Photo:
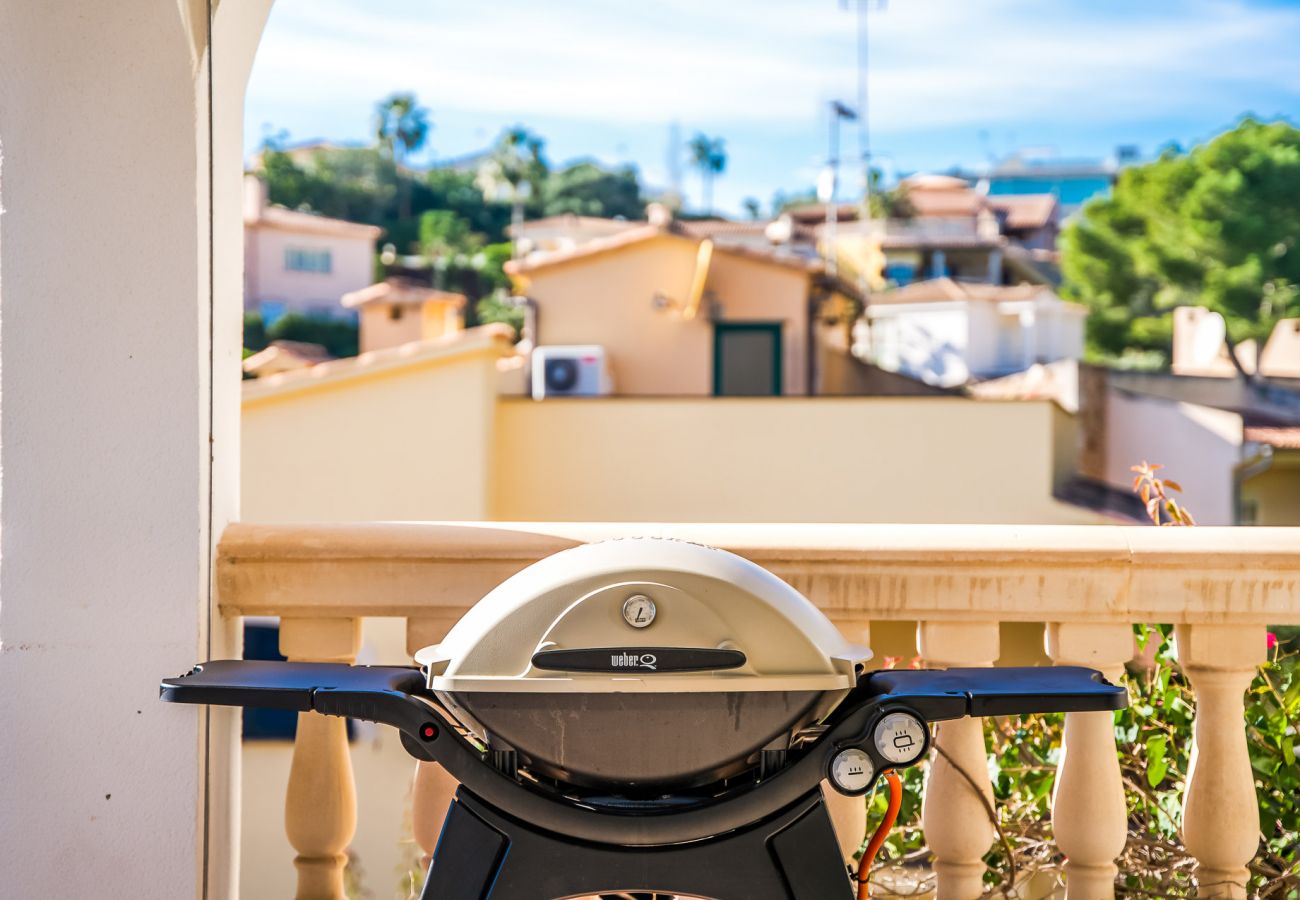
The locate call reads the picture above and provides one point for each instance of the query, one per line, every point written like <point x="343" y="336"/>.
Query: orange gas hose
<point x="882" y="832"/>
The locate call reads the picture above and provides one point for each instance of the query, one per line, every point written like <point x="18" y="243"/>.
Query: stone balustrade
<point x="1087" y="586"/>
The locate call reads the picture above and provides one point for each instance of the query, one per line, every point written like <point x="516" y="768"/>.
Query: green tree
<point x="518" y="166"/>
<point x="443" y="233"/>
<point x="709" y="156"/>
<point x="338" y="336"/>
<point x="401" y="128"/>
<point x="354" y="183"/>
<point x="1214" y="227"/>
<point x="361" y="184"/>
<point x="889" y="203"/>
<point x="587" y="189"/>
<point x="753" y="208"/>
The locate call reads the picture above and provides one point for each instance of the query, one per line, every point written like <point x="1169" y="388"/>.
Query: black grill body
<point x="760" y="832"/>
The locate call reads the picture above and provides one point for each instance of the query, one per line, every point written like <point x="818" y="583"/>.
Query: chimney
<point x="254" y="197"/>
<point x="659" y="215"/>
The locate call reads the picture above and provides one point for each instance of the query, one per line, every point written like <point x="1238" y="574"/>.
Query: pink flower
<point x="1272" y="640"/>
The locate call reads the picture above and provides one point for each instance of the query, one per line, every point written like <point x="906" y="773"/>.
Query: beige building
<point x="680" y="315"/>
<point x="420" y="431"/>
<point x="299" y="262"/>
<point x="397" y="311"/>
<point x="951" y="231"/>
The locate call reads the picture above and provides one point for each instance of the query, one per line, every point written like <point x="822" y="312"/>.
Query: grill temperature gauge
<point x="638" y="611"/>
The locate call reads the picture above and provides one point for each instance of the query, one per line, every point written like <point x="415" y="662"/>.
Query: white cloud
<point x="935" y="62"/>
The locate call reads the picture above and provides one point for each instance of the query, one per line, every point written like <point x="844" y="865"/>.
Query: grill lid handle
<point x="639" y="659"/>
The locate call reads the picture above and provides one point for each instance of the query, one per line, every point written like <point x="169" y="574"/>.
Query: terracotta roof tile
<point x="400" y="290"/>
<point x="1282" y="437"/>
<point x="278" y="217"/>
<point x="642" y="233"/>
<point x="947" y="290"/>
<point x="1025" y="211"/>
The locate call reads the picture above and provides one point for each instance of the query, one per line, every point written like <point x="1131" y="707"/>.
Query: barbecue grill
<point x="646" y="715"/>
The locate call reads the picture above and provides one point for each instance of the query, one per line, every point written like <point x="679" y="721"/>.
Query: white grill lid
<point x="717" y="623"/>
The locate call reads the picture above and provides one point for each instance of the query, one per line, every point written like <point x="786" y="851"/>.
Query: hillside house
<point x="300" y="262"/>
<point x="398" y="310"/>
<point x="948" y="332"/>
<point x="678" y="314"/>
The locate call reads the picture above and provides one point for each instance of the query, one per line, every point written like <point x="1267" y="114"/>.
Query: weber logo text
<point x="625" y="660"/>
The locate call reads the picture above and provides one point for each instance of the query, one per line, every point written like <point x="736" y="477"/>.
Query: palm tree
<point x="518" y="164"/>
<point x="401" y="128"/>
<point x="753" y="208"/>
<point x="709" y="155"/>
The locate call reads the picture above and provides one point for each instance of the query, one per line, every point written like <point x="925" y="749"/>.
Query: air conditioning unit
<point x="575" y="371"/>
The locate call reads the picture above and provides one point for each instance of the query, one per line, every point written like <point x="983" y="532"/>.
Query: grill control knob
<point x="852" y="771"/>
<point x="900" y="738"/>
<point x="638" y="610"/>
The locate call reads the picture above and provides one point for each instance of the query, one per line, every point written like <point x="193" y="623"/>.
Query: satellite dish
<point x="1207" y="338"/>
<point x="826" y="185"/>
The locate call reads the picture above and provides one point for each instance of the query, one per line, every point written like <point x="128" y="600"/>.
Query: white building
<point x="948" y="332"/>
<point x="300" y="262"/>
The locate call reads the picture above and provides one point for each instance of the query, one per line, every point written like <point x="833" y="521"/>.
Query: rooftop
<point x="403" y="291"/>
<point x="646" y="232"/>
<point x="281" y="356"/>
<point x="948" y="290"/>
<point x="1280" y="437"/>
<point x="1025" y="211"/>
<point x="283" y="219"/>
<point x="495" y="337"/>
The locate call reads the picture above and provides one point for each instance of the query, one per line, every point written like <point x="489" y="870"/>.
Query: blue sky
<point x="951" y="82"/>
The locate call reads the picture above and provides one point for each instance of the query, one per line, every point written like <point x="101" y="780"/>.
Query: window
<point x="302" y="259"/>
<point x="262" y="641"/>
<point x="900" y="273"/>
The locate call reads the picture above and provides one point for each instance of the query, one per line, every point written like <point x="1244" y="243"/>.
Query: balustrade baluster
<point x="1220" y="809"/>
<point x="1089" y="816"/>
<point x="320" y="809"/>
<point x="954" y="815"/>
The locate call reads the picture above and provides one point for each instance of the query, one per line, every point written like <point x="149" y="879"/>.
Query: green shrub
<point x="339" y="337"/>
<point x="1154" y="739"/>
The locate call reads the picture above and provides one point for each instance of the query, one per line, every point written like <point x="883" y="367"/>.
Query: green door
<point x="747" y="359"/>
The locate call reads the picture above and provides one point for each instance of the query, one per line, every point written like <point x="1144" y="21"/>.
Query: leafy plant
<point x="339" y="337"/>
<point x="1161" y="508"/>
<point x="1153" y="739"/>
<point x="1213" y="227"/>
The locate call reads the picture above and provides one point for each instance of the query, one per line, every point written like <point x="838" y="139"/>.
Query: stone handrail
<point x="1089" y="585"/>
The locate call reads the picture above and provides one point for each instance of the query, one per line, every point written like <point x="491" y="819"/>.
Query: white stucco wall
<point x="315" y="293"/>
<point x="118" y="446"/>
<point x="948" y="343"/>
<point x="928" y="341"/>
<point x="104" y="491"/>
<point x="1197" y="445"/>
<point x="990" y="335"/>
